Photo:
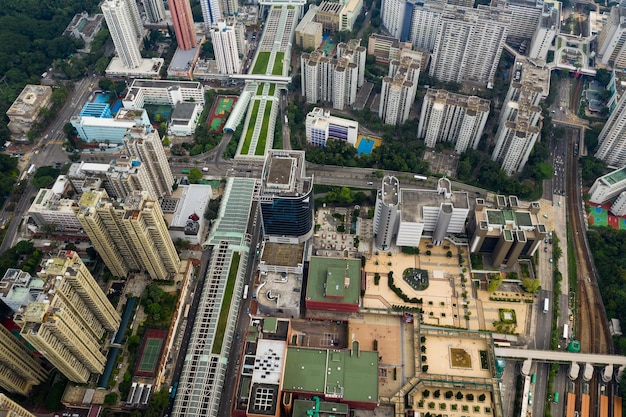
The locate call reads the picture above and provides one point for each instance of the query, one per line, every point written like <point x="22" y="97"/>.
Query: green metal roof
<point x="327" y="277"/>
<point x="350" y="375"/>
<point x="616" y="176"/>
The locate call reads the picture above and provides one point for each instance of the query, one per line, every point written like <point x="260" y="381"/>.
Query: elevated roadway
<point x="560" y="357"/>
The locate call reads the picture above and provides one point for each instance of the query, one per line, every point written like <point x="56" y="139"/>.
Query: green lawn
<point x="248" y="138"/>
<point x="228" y="295"/>
<point x="260" y="66"/>
<point x="259" y="89"/>
<point x="272" y="89"/>
<point x="260" y="145"/>
<point x="278" y="63"/>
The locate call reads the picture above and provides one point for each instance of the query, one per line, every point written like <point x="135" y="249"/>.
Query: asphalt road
<point x="47" y="150"/>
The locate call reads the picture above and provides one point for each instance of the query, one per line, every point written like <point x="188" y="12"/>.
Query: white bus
<point x="565" y="331"/>
<point x="186" y="311"/>
<point x="546" y="305"/>
<point x="420" y="177"/>
<point x="245" y="292"/>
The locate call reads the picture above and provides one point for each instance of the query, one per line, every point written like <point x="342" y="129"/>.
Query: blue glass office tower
<point x="285" y="198"/>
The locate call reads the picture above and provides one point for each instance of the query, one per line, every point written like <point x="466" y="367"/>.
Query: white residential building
<point x="351" y="10"/>
<point x="469" y="44"/>
<point x="142" y="92"/>
<point x="612" y="38"/>
<point x="546" y="32"/>
<point x="424" y="21"/>
<point x="608" y="186"/>
<point x="321" y="127"/>
<point x="519" y="118"/>
<point x="404" y="216"/>
<point x="392" y="14"/>
<point x="386" y="213"/>
<point x="211" y="12"/>
<point x="155" y="10"/>
<point x="122" y="17"/>
<point x="398" y="90"/>
<point x="618" y="208"/>
<point x="450" y="117"/>
<point x="146" y="146"/>
<point x="612" y="146"/>
<point x="331" y="80"/>
<point x="225" y="47"/>
<point x="51" y="208"/>
<point x="525" y="17"/>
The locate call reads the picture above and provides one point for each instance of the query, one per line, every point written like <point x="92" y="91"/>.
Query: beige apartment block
<point x="67" y="321"/>
<point x="25" y="109"/>
<point x="19" y="369"/>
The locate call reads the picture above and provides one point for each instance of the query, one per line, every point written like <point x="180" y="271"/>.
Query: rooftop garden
<point x="278" y="63"/>
<point x="225" y="310"/>
<point x="260" y="146"/>
<point x="262" y="60"/>
<point x="248" y="138"/>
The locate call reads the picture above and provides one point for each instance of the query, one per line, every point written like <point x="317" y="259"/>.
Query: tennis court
<point x="150" y="353"/>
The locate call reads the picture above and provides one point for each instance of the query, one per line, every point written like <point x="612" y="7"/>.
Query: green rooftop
<point x="331" y="277"/>
<point x="616" y="176"/>
<point x="349" y="375"/>
<point x="502" y="217"/>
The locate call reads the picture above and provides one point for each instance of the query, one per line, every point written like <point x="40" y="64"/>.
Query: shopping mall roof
<point x="348" y="375"/>
<point x="334" y="280"/>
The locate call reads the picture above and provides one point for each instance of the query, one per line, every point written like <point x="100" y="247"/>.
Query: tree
<point x="437" y="394"/>
<point x="531" y="285"/>
<point x="194" y="176"/>
<point x="494" y="283"/>
<point x="425" y="393"/>
<point x="459" y="395"/>
<point x="42" y="182"/>
<point x="110" y="398"/>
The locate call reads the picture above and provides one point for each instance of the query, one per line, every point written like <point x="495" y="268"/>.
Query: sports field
<point x="222" y="106"/>
<point x="365" y="145"/>
<point x="150" y="353"/>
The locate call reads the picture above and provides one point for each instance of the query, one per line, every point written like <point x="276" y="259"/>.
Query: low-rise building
<point x="321" y="127"/>
<point x="184" y="212"/>
<point x="142" y="92"/>
<point x="309" y="32"/>
<point x="184" y="119"/>
<point x="348" y="376"/>
<point x="25" y="109"/>
<point x="84" y="27"/>
<point x="50" y="208"/>
<point x="281" y="277"/>
<point x="109" y="130"/>
<point x="328" y="14"/>
<point x="148" y="67"/>
<point x="334" y="285"/>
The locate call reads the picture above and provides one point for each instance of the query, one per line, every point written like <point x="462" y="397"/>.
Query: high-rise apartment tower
<point x="184" y="28"/>
<point x="224" y="40"/>
<point x="124" y="23"/>
<point x="19" y="369"/>
<point x="67" y="321"/>
<point x="146" y="146"/>
<point x="129" y="236"/>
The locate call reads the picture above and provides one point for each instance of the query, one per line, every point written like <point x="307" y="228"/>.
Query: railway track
<point x="592" y="328"/>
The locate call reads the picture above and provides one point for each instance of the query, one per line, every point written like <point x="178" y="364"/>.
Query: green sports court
<point x="222" y="106"/>
<point x="151" y="351"/>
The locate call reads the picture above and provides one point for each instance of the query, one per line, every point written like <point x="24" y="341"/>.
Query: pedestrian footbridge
<point x="560" y="357"/>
